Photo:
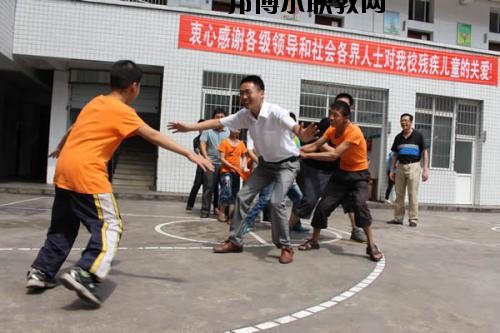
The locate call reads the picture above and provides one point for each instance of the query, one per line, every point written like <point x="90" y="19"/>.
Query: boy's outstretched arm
<point x="181" y="127"/>
<point x="60" y="145"/>
<point x="161" y="140"/>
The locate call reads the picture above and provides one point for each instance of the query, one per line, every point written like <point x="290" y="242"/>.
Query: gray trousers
<point x="282" y="175"/>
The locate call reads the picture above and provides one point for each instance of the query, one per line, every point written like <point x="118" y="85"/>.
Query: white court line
<point x="21" y="201"/>
<point x="159" y="229"/>
<point x="258" y="238"/>
<point x="312" y="310"/>
<point x="140" y="248"/>
<point x="496" y="228"/>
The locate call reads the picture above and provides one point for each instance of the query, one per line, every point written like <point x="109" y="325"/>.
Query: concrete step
<point x="144" y="158"/>
<point x="124" y="176"/>
<point x="133" y="183"/>
<point x="146" y="168"/>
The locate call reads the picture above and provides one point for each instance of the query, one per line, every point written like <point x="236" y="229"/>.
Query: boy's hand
<point x="178" y="127"/>
<point x="303" y="154"/>
<point x="203" y="163"/>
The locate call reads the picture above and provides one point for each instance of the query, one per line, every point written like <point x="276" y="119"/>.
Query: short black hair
<point x="323" y="125"/>
<point x="343" y="107"/>
<point x="292" y="115"/>
<point x="255" y="80"/>
<point x="345" y="95"/>
<point x="406" y="115"/>
<point x="218" y="110"/>
<point x="124" y="73"/>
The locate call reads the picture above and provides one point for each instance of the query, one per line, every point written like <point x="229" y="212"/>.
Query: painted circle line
<point x="300" y="314"/>
<point x="159" y="229"/>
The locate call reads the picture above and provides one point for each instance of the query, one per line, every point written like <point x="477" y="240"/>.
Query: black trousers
<point x="351" y="187"/>
<point x="99" y="214"/>
<point x="198" y="181"/>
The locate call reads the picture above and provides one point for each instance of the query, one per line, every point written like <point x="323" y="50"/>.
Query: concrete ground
<point x="439" y="277"/>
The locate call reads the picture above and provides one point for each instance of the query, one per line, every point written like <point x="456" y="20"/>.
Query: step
<point x="138" y="157"/>
<point x="136" y="166"/>
<point x="133" y="182"/>
<point x="146" y="177"/>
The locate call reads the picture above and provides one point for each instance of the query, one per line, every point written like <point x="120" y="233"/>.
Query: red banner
<point x="289" y="45"/>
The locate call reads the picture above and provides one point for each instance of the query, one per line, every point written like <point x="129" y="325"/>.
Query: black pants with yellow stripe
<point x="99" y="214"/>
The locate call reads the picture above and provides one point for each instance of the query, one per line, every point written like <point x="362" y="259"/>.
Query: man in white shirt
<point x="273" y="131"/>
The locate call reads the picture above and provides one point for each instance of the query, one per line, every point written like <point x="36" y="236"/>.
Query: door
<point x="466" y="139"/>
<point x="463" y="166"/>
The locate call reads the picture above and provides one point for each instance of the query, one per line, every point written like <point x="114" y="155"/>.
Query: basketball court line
<point x="309" y="311"/>
<point x="296" y="315"/>
<point x="21" y="201"/>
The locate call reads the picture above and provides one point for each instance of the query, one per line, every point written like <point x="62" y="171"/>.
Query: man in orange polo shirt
<point x="349" y="182"/>
<point x="83" y="191"/>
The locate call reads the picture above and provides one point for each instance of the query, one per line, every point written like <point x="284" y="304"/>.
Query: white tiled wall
<point x="96" y="32"/>
<point x="7" y="13"/>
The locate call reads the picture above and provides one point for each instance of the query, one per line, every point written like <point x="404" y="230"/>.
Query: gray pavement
<point x="439" y="277"/>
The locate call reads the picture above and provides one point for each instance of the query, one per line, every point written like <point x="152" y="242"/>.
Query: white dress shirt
<point x="271" y="131"/>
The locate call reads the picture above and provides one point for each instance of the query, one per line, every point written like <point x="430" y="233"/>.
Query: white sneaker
<point x="387" y="201"/>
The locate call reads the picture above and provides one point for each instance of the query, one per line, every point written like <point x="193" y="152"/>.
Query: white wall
<point x="74" y="30"/>
<point x="58" y="117"/>
<point x="7" y="14"/>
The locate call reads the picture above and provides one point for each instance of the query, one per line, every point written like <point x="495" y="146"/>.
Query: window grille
<point x="220" y="90"/>
<point x="420" y="10"/>
<point x="441" y="120"/>
<point x="494" y="22"/>
<point x="369" y="104"/>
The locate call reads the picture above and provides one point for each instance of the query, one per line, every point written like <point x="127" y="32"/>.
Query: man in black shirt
<point x="408" y="148"/>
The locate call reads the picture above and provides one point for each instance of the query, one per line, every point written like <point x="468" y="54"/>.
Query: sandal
<point x="309" y="245"/>
<point x="222" y="218"/>
<point x="374" y="253"/>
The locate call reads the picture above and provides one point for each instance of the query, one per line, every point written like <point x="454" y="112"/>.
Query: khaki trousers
<point x="407" y="177"/>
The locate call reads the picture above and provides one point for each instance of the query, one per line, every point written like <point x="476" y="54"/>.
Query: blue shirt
<point x="213" y="138"/>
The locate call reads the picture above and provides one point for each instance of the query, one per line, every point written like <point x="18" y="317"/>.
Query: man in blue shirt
<point x="209" y="145"/>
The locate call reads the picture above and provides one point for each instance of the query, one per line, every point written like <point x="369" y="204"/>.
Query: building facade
<point x="194" y="53"/>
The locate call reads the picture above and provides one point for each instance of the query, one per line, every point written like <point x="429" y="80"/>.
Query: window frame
<point x="453" y="130"/>
<point x="428" y="11"/>
<point x="495" y="11"/>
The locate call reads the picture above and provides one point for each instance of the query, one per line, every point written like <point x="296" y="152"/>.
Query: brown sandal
<point x="374" y="253"/>
<point x="309" y="245"/>
<point x="223" y="219"/>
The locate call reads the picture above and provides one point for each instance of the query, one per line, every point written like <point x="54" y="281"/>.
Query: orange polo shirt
<point x="354" y="158"/>
<point x="97" y="132"/>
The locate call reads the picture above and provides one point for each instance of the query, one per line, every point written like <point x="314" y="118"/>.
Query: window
<point x="225" y="6"/>
<point x="369" y="104"/>
<point x="494" y="22"/>
<point x="419" y="35"/>
<point x="220" y="90"/>
<point x="329" y="20"/>
<point x="420" y="10"/>
<point x="494" y="46"/>
<point x="443" y="120"/>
